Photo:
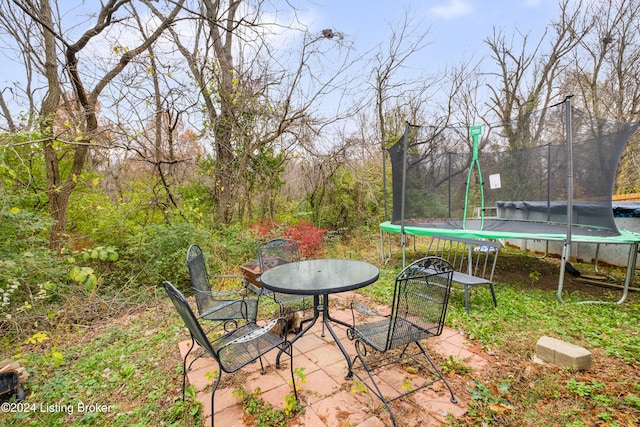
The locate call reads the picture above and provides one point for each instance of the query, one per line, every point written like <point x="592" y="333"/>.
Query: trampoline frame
<point x="625" y="238"/>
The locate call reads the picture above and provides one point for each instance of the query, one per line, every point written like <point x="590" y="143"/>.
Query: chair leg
<point x="213" y="393"/>
<point x="184" y="367"/>
<point x="466" y="298"/>
<point x="375" y="390"/>
<point x="288" y="348"/>
<point x="361" y="352"/>
<point x="493" y="294"/>
<point x="437" y="371"/>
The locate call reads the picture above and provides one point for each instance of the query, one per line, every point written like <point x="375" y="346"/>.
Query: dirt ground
<point x="543" y="271"/>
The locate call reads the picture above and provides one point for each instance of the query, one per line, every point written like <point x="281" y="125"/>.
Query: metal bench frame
<point x="474" y="261"/>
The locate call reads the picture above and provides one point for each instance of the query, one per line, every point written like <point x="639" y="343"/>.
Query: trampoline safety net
<point x="523" y="167"/>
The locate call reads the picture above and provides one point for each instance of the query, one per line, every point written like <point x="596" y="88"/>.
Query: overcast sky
<point x="457" y="27"/>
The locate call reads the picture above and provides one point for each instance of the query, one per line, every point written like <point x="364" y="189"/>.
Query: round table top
<point x="319" y="276"/>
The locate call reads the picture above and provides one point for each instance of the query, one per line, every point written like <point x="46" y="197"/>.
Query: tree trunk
<point x="224" y="189"/>
<point x="58" y="196"/>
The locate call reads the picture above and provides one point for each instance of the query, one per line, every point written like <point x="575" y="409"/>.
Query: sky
<point x="457" y="27"/>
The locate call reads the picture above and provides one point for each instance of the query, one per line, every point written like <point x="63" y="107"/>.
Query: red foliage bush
<point x="309" y="237"/>
<point x="264" y="229"/>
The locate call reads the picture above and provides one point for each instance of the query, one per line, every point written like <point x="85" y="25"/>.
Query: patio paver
<point x="328" y="398"/>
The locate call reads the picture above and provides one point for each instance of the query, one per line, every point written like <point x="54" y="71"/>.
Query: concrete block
<point x="558" y="352"/>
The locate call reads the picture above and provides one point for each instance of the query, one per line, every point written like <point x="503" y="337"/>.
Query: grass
<point x="129" y="368"/>
<point x="599" y="394"/>
<point x="122" y="373"/>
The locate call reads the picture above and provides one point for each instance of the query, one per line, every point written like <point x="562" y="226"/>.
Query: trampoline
<point x="547" y="175"/>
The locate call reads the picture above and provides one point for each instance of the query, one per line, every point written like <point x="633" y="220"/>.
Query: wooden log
<point x="23" y="374"/>
<point x="9" y="365"/>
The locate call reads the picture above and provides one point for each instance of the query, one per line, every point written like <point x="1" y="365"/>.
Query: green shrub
<point x="30" y="274"/>
<point x="159" y="252"/>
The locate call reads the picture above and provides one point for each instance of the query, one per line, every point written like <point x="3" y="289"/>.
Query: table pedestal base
<point x="323" y="308"/>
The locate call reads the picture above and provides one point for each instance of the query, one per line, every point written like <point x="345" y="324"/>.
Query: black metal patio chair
<point x="235" y="349"/>
<point x="223" y="308"/>
<point x="217" y="305"/>
<point x="418" y="310"/>
<point x="275" y="252"/>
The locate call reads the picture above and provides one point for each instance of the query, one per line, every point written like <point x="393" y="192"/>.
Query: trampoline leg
<point x="565" y="254"/>
<point x="631" y="268"/>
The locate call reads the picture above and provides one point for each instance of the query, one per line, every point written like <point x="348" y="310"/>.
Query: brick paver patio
<point x="328" y="397"/>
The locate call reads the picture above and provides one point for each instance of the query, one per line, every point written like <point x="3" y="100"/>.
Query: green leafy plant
<point x="358" y="387"/>
<point x="85" y="275"/>
<point x="632" y="400"/>
<point x="494" y="397"/>
<point x="102" y="253"/>
<point x="535" y="275"/>
<point x="584" y="389"/>
<point x="264" y="413"/>
<point x="454" y="364"/>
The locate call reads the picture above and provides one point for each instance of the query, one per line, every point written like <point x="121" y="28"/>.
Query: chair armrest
<point x="244" y="310"/>
<point x="363" y="309"/>
<point x="215" y="294"/>
<point x="239" y="277"/>
<point x="228" y="276"/>
<point x="214" y="302"/>
<point x="256" y="333"/>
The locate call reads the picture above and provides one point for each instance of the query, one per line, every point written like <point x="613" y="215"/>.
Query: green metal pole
<point x="475" y="132"/>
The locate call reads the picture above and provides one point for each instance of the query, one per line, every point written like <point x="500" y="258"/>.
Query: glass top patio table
<point x="320" y="276"/>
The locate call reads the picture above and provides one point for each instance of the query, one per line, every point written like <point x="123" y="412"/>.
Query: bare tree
<point x="604" y="72"/>
<point x="258" y="103"/>
<point x="604" y="67"/>
<point x="23" y="31"/>
<point x="527" y="79"/>
<point x="62" y="66"/>
<point x="391" y="89"/>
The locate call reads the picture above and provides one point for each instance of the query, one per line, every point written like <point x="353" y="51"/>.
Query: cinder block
<point x="558" y="352"/>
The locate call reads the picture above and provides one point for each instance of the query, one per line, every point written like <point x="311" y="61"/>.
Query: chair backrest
<point x="181" y="304"/>
<point x="278" y="251"/>
<point x="421" y="297"/>
<point x="197" y="269"/>
<point x="199" y="277"/>
<point x="474" y="257"/>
